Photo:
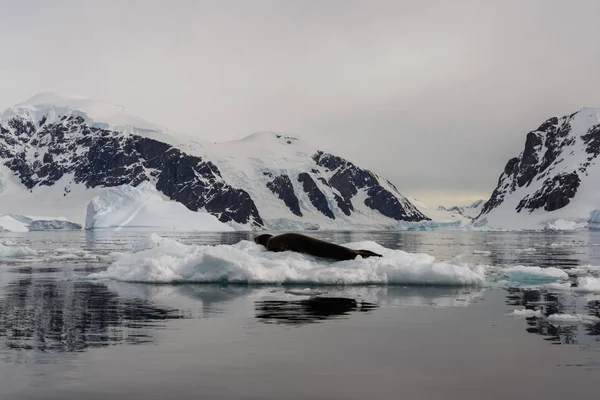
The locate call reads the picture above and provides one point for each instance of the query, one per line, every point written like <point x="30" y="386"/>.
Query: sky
<point x="434" y="95"/>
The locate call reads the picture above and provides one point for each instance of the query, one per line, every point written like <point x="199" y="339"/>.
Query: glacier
<point x="144" y="207"/>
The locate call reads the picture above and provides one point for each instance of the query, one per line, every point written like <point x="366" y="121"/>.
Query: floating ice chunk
<point x="305" y="292"/>
<point x="557" y="286"/>
<point x="568" y="319"/>
<point x="527" y="250"/>
<point x="165" y="260"/>
<point x="588" y="284"/>
<point x="9" y="243"/>
<point x="563" y="244"/>
<point x="482" y="252"/>
<point x="526" y="313"/>
<point x="16" y="252"/>
<point x="523" y="274"/>
<point x="564" y="225"/>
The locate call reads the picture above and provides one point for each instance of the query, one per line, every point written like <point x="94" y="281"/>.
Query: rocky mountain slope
<point x="57" y="153"/>
<point x="555" y="177"/>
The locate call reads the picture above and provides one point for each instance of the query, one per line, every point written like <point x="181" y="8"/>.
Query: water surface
<point x="67" y="338"/>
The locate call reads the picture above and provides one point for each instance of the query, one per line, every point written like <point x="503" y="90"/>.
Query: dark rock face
<point x="282" y="186"/>
<point x="71" y="150"/>
<point x="556" y="193"/>
<point x="317" y="198"/>
<point x="545" y="150"/>
<point x="348" y="179"/>
<point x="592" y="140"/>
<point x="102" y="158"/>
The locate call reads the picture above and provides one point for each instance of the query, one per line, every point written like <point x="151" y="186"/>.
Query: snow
<point x="524" y="274"/>
<point x="98" y="113"/>
<point x="526" y="313"/>
<point x="242" y="163"/>
<point x="163" y="260"/>
<point x="10" y="224"/>
<point x="143" y="206"/>
<point x="250" y="163"/>
<point x="579" y="208"/>
<point x="569" y="319"/>
<point x="441" y="214"/>
<point x="469" y="211"/>
<point x="15" y="252"/>
<point x="564" y="225"/>
<point x="16" y="199"/>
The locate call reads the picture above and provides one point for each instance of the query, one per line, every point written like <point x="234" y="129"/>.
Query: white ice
<point x="526" y="313"/>
<point x="164" y="260"/>
<point x="588" y="284"/>
<point x="16" y="252"/>
<point x="524" y="274"/>
<point x="8" y="223"/>
<point x="564" y="225"/>
<point x="569" y="319"/>
<point x="144" y="207"/>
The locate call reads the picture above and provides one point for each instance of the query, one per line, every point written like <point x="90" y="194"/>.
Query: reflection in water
<point x="46" y="315"/>
<point x="558" y="303"/>
<point x="316" y="309"/>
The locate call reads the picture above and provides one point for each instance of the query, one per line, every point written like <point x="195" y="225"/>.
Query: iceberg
<point x="24" y="223"/>
<point x="163" y="260"/>
<point x="535" y="275"/>
<point x="594" y="220"/>
<point x="564" y="225"/>
<point x="145" y="207"/>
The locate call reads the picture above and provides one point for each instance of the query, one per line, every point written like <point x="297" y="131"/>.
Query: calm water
<point x="62" y="337"/>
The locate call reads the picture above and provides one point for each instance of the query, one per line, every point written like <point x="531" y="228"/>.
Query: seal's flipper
<point x="367" y="253"/>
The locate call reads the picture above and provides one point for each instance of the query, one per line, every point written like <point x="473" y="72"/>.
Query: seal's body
<point x="308" y="245"/>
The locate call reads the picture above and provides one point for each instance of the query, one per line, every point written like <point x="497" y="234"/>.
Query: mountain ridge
<point x="250" y="182"/>
<point x="552" y="178"/>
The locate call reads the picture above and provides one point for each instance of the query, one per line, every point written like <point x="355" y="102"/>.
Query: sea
<point x="65" y="336"/>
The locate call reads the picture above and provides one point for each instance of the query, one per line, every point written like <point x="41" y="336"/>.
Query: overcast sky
<point x="434" y="95"/>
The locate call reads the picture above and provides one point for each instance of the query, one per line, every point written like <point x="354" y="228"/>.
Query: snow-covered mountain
<point x="554" y="178"/>
<point x="469" y="211"/>
<point x="58" y="152"/>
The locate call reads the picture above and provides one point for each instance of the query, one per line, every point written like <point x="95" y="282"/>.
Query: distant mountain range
<point x="469" y="211"/>
<point x="57" y="153"/>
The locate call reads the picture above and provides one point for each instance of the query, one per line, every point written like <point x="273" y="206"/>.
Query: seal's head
<point x="262" y="239"/>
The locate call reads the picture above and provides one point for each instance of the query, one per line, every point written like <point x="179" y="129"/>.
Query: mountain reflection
<point x="46" y="315"/>
<point x="306" y="311"/>
<point x="557" y="303"/>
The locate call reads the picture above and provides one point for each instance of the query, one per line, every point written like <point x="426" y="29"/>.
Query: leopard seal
<point x="308" y="245"/>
